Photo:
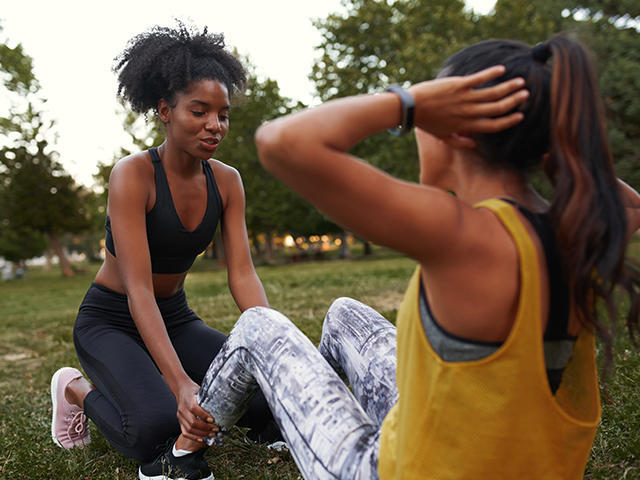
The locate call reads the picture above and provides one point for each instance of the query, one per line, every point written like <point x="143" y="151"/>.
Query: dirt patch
<point x="386" y="301"/>
<point x="12" y="357"/>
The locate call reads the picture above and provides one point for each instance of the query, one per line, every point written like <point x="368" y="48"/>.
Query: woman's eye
<point x="197" y="114"/>
<point x="224" y="118"/>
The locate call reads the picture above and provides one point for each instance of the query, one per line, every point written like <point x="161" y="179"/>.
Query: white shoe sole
<point x="55" y="380"/>
<point x="54" y="400"/>
<point x="142" y="476"/>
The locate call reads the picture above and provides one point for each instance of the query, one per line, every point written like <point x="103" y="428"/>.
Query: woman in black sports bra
<point x="144" y="351"/>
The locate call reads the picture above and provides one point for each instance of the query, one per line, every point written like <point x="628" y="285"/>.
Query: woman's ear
<point x="459" y="141"/>
<point x="164" y="111"/>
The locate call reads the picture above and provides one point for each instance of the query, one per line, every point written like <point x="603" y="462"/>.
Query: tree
<point x="271" y="206"/>
<point x="17" y="245"/>
<point x="36" y="194"/>
<point x="617" y="54"/>
<point x="380" y="43"/>
<point x="605" y="27"/>
<point x="406" y="41"/>
<point x="530" y="22"/>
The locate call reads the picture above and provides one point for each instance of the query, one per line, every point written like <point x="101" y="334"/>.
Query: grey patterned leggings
<point x="331" y="432"/>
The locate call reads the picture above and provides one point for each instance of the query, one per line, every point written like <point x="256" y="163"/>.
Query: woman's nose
<point x="213" y="124"/>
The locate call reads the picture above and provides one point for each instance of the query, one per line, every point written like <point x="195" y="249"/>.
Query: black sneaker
<point x="167" y="467"/>
<point x="270" y="434"/>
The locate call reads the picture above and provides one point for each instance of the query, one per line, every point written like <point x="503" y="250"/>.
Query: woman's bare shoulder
<point x="221" y="169"/>
<point x="136" y="168"/>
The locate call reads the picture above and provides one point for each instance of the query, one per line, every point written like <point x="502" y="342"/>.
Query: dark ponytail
<point x="564" y="131"/>
<point x="587" y="208"/>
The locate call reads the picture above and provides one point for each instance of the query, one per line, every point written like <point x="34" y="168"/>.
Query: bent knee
<point x="259" y="323"/>
<point x="345" y="303"/>
<point x="337" y="314"/>
<point x="340" y="309"/>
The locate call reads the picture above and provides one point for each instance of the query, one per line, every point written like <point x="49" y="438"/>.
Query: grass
<point x="36" y="320"/>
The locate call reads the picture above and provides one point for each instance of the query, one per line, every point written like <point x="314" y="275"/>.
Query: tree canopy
<point x="37" y="196"/>
<point x="378" y="43"/>
<point x="271" y="206"/>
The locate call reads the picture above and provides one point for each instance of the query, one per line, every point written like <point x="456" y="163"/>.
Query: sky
<point x="73" y="44"/>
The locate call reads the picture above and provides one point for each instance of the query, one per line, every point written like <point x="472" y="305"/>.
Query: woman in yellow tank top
<point x="483" y="274"/>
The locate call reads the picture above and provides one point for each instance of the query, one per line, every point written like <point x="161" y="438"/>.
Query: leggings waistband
<point x="101" y="298"/>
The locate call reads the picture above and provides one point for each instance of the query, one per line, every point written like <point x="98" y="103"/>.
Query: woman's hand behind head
<point x="452" y="105"/>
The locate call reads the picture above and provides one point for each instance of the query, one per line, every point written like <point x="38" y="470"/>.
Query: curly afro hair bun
<point x="161" y="62"/>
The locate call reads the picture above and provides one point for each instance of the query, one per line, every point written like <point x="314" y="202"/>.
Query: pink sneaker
<point x="69" y="426"/>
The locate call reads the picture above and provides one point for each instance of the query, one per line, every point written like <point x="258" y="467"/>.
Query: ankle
<point x="76" y="391"/>
<point x="183" y="443"/>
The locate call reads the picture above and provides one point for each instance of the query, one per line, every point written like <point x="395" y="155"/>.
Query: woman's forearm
<point x="150" y="324"/>
<point x="336" y="125"/>
<point x="247" y="291"/>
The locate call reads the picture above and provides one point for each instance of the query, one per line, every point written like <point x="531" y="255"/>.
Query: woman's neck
<point x="477" y="181"/>
<point x="178" y="161"/>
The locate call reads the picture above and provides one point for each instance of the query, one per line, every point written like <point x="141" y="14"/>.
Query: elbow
<point x="267" y="140"/>
<point x="276" y="146"/>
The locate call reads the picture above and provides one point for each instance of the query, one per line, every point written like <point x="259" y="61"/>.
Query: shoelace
<point x="77" y="424"/>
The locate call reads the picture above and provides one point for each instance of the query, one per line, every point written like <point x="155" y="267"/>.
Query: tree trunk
<point x="344" y="246"/>
<point x="47" y="256"/>
<point x="67" y="271"/>
<point x="268" y="248"/>
<point x="367" y="247"/>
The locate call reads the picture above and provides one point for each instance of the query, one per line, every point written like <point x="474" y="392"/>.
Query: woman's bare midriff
<point x="164" y="285"/>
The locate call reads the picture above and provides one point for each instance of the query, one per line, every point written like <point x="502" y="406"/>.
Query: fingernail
<point x="209" y="419"/>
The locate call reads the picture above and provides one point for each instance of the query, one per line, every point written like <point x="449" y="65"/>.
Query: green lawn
<point x="36" y="319"/>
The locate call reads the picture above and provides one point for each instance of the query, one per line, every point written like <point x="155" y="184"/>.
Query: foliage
<point x="617" y="53"/>
<point x="270" y="206"/>
<point x="18" y="244"/>
<point x="39" y="194"/>
<point x="379" y="43"/>
<point x="16" y="69"/>
<point x="529" y="22"/>
<point x="36" y="194"/>
<point x="610" y="8"/>
<point x="615" y="46"/>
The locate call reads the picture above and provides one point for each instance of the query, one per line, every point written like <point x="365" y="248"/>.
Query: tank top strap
<point x="528" y="322"/>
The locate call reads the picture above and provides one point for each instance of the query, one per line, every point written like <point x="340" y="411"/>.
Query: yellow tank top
<point x="493" y="418"/>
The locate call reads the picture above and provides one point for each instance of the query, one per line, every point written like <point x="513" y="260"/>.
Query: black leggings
<point x="133" y="406"/>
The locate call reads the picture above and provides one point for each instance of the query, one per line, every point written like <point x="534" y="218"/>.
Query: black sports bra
<point x="173" y="248"/>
